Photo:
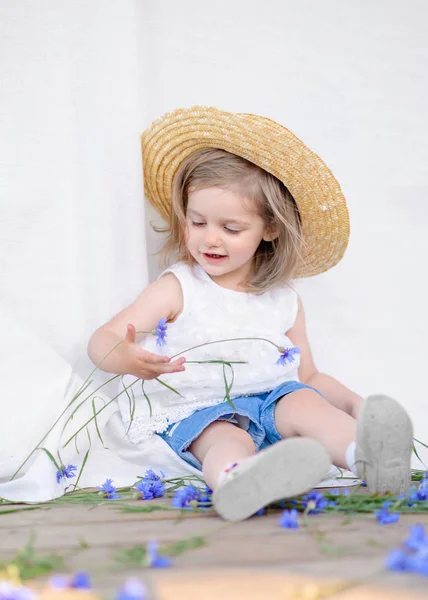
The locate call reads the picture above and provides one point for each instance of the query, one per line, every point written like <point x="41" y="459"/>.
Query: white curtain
<point x="72" y="232"/>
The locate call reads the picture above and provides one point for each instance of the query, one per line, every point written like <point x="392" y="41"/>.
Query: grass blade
<point x="52" y="458"/>
<point x="146" y="397"/>
<point x="168" y="386"/>
<point x="96" y="422"/>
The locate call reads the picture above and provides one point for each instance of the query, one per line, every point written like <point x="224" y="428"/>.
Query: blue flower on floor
<point x="132" y="590"/>
<point x="80" y="581"/>
<point x="416" y="537"/>
<point x="150" y="486"/>
<point x="419" y="494"/>
<point x="108" y="490"/>
<point x="385" y="517"/>
<point x="154" y="560"/>
<point x="160" y="332"/>
<point x="396" y="560"/>
<point x="260" y="512"/>
<point x="66" y="472"/>
<point x="152" y="476"/>
<point x="150" y="489"/>
<point x="287" y="355"/>
<point x="289" y="519"/>
<point x="11" y="592"/>
<point x="205" y="498"/>
<point x="414" y="558"/>
<point x="186" y="497"/>
<point x="315" y="502"/>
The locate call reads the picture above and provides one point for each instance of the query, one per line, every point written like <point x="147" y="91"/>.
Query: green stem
<point x="99" y="411"/>
<point x="226" y="340"/>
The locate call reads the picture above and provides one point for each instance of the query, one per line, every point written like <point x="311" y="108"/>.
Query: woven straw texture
<point x="325" y="220"/>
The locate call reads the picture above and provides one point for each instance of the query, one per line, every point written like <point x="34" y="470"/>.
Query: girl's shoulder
<point x="186" y="276"/>
<point x="177" y="281"/>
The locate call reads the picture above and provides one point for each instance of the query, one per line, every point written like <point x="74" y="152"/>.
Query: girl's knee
<point x="291" y="409"/>
<point x="221" y="432"/>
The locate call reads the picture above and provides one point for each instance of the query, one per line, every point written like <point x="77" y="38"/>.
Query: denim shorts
<point x="254" y="413"/>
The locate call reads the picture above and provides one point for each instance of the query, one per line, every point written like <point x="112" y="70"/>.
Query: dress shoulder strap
<point x="187" y="278"/>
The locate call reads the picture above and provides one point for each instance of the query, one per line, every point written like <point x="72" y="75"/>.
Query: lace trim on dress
<point x="143" y="428"/>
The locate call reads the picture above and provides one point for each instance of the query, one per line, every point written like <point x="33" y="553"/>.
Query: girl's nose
<point x="211" y="237"/>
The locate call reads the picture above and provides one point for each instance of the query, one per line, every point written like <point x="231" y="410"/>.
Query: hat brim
<point x="322" y="206"/>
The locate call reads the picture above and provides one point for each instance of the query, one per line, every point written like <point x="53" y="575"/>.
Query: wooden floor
<point x="334" y="557"/>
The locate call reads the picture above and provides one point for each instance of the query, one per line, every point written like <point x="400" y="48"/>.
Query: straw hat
<point x="172" y="137"/>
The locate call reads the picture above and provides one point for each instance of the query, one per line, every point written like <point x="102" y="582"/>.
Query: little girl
<point x="229" y="381"/>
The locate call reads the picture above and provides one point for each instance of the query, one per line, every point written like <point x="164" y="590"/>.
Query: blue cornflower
<point x="419" y="494"/>
<point x="315" y="502"/>
<point x="289" y="519"/>
<point x="416" y="537"/>
<point x="152" y="476"/>
<point x="260" y="512"/>
<point x="80" y="581"/>
<point x="414" y="558"/>
<point x="396" y="560"/>
<point x="185" y="496"/>
<point x="160" y="332"/>
<point x="150" y="489"/>
<point x="153" y="558"/>
<point x="108" y="490"/>
<point x="132" y="590"/>
<point x="67" y="472"/>
<point x="418" y="562"/>
<point x="12" y="592"/>
<point x="385" y="517"/>
<point x="287" y="355"/>
<point x="205" y="498"/>
<point x="151" y="486"/>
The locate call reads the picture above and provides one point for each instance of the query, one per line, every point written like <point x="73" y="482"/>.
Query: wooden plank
<point x="354" y="550"/>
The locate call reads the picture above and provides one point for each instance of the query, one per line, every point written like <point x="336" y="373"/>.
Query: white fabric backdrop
<point x="72" y="234"/>
<point x="81" y="80"/>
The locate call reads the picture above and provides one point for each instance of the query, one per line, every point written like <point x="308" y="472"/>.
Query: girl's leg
<point x="220" y="445"/>
<point x="382" y="436"/>
<point x="282" y="470"/>
<point x="305" y="413"/>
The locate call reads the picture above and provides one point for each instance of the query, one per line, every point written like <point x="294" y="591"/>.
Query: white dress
<point x="211" y="313"/>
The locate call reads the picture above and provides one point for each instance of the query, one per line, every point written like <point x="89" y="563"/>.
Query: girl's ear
<point x="270" y="235"/>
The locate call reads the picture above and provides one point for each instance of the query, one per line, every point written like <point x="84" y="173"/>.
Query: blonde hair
<point x="275" y="262"/>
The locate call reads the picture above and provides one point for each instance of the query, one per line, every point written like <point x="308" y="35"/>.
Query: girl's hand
<point x="144" y="364"/>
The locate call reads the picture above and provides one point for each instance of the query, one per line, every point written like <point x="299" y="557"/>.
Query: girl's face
<point x="223" y="231"/>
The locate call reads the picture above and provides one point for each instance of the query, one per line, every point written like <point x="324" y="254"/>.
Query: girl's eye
<point x="232" y="230"/>
<point x="197" y="224"/>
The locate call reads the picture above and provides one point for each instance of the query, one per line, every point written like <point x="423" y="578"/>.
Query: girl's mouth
<point x="214" y="258"/>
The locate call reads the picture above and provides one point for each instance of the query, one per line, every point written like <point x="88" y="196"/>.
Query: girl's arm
<point x="333" y="391"/>
<point x="161" y="299"/>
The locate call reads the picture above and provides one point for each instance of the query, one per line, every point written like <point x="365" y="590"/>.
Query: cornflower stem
<point x="240" y="339"/>
<point x="98" y="412"/>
